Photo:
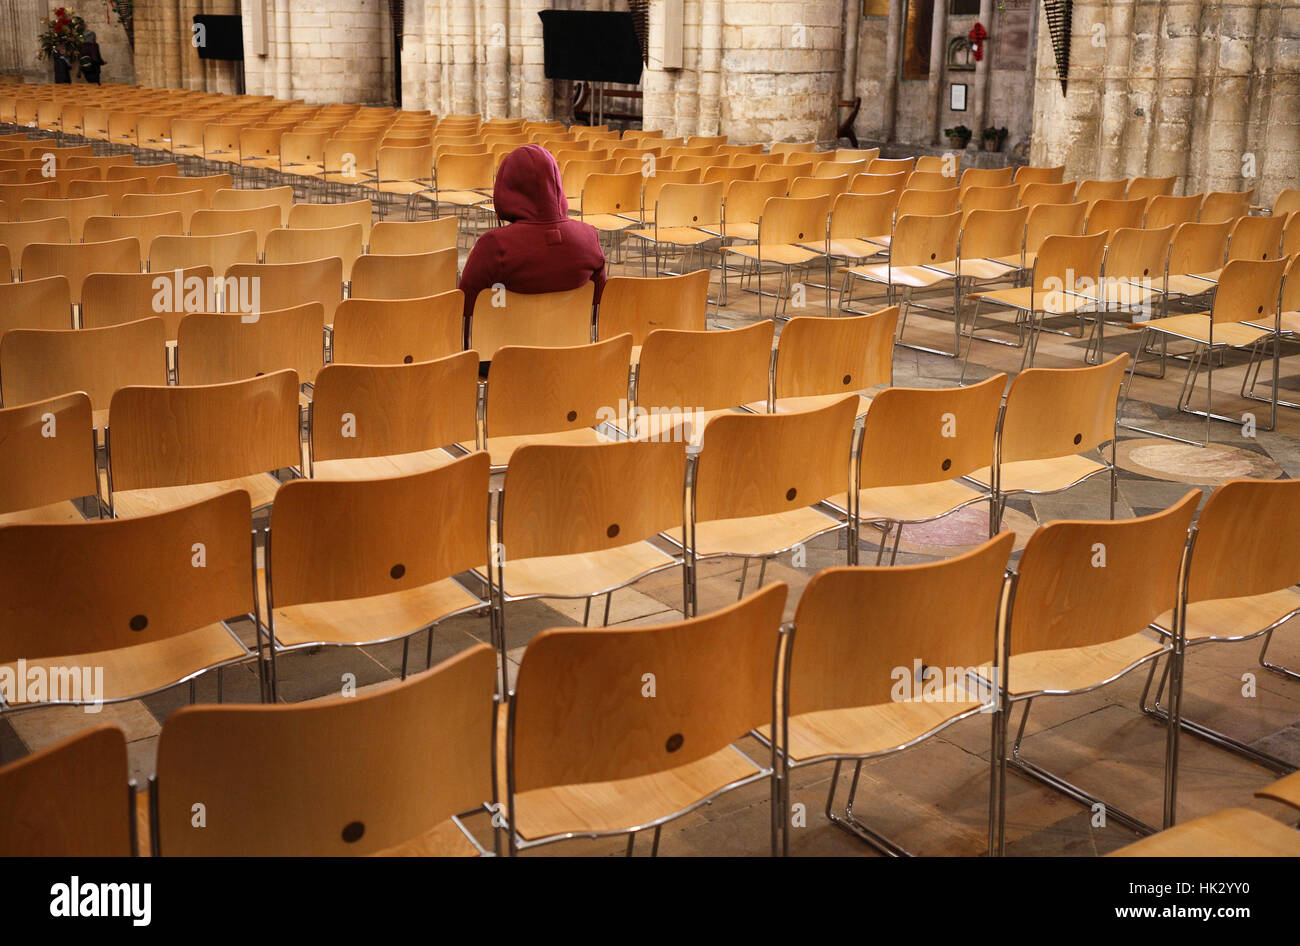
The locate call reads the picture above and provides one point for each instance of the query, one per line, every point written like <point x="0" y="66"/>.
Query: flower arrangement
<point x="993" y="138"/>
<point x="958" y="136"/>
<point x="62" y="33"/>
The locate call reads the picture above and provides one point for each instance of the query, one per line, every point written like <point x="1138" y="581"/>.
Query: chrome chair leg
<point x="850" y="825"/>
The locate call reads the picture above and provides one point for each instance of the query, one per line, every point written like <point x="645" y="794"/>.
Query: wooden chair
<point x="370" y="421"/>
<point x="577" y="520"/>
<point x="553" y="395"/>
<point x="1134" y="276"/>
<point x="219" y="252"/>
<point x="1034" y="193"/>
<point x="639" y="305"/>
<point x="208" y="185"/>
<point x="187" y="202"/>
<point x="855" y="629"/>
<point x="860" y="225"/>
<point x="113" y="190"/>
<point x="1050" y="419"/>
<point x="1244" y="313"/>
<point x="1232" y="832"/>
<point x="393" y="237"/>
<point x="36" y="303"/>
<point x="685" y="379"/>
<point x="143" y="228"/>
<point x="149" y="172"/>
<point x="1239" y="588"/>
<point x="819" y="360"/>
<point x="322" y="216"/>
<point x="1219" y="206"/>
<point x="74" y="798"/>
<point x="931" y="181"/>
<point x="384" y="772"/>
<point x="12" y="197"/>
<point x="502" y="317"/>
<point x="331" y="577"/>
<point x="47" y="460"/>
<point x="878" y="183"/>
<point x="1164" y="210"/>
<point x="1115" y="215"/>
<point x="1092" y="191"/>
<point x="284" y="285"/>
<point x="170" y="446"/>
<point x="819" y="186"/>
<point x="17" y="236"/>
<point x="787" y="229"/>
<point x="248" y="199"/>
<point x="743" y="208"/>
<point x="115" y="298"/>
<point x="1148" y="187"/>
<point x="758" y="482"/>
<point x="611" y="202"/>
<point x="398" y="331"/>
<point x="1034" y="175"/>
<point x="215" y="348"/>
<point x="919" y="449"/>
<point x="301" y="246"/>
<point x="75" y="209"/>
<point x="592" y="762"/>
<point x="406" y="276"/>
<point x="1085" y="594"/>
<point x="261" y="220"/>
<point x="78" y="260"/>
<point x="407" y="173"/>
<point x="126" y="597"/>
<point x="1196" y="258"/>
<point x="681" y="212"/>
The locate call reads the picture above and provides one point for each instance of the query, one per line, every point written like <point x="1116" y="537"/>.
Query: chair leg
<point x="744" y="571"/>
<point x="849" y="824"/>
<point x="1275" y="668"/>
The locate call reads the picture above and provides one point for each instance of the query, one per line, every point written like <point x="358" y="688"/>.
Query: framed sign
<point x="957" y="97"/>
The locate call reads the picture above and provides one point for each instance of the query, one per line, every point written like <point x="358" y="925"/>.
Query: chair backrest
<point x="113" y="190"/>
<point x="399" y="331"/>
<point x="1089" y="582"/>
<point x="319" y="216"/>
<point x="209" y="184"/>
<point x="760" y="464"/>
<point x="246" y="199"/>
<point x="689" y="205"/>
<point x="114" y="298"/>
<point x="987" y="177"/>
<point x="386" y="410"/>
<point x="1165" y="209"/>
<point x="1057" y="412"/>
<point x="261" y="220"/>
<point x="1256" y="238"/>
<point x="839" y="355"/>
<point x="183" y="436"/>
<point x="878" y="183"/>
<point x="1034" y="193"/>
<point x="929" y="435"/>
<point x="1034" y="175"/>
<point x="70" y="799"/>
<point x="605" y="193"/>
<point x="13" y="195"/>
<point x="819" y="186"/>
<point x="578" y="716"/>
<point x="35" y="303"/>
<point x="857" y="628"/>
<point x="1115" y="214"/>
<point x="1151" y="186"/>
<point x="989" y="198"/>
<point x="992" y="233"/>
<point x="746" y="199"/>
<point x="395" y="237"/>
<point x="187" y="202"/>
<point x="1199" y="247"/>
<point x="681" y="372"/>
<point x="922" y="240"/>
<point x="213" y="348"/>
<point x="36" y="364"/>
<point x="219" y="252"/>
<point x="150" y="173"/>
<point x="1286" y="202"/>
<point x="789" y="220"/>
<point x="1069" y="263"/>
<point x="301" y="246"/>
<point x="75" y="209"/>
<point x="862" y="216"/>
<point x="1225" y="205"/>
<point x="1137" y="256"/>
<point x="284" y="285"/>
<point x="930" y="181"/>
<point x="502" y="317"/>
<point x="346" y="776"/>
<point x="405" y="276"/>
<point x="47" y="452"/>
<point x="928" y="203"/>
<point x="144" y="228"/>
<point x="581" y="498"/>
<point x="1249" y="290"/>
<point x="1092" y="191"/>
<point x="1233" y="556"/>
<point x="104" y="584"/>
<point x="891" y="165"/>
<point x="639" y="305"/>
<point x="16" y="236"/>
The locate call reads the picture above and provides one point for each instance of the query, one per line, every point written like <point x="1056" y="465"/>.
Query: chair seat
<point x="811" y="402"/>
<point x="850" y="248"/>
<point x="740" y="230"/>
<point x="403" y="187"/>
<point x="664" y="426"/>
<point x="609" y="222"/>
<point x="917" y="502"/>
<point x="148" y="667"/>
<point x="1023" y="297"/>
<point x="461" y="198"/>
<point x="785" y="254"/>
<point x="981" y="269"/>
<point x="1041" y="476"/>
<point x="501" y="449"/>
<point x="303" y="169"/>
<point x="1234" y="618"/>
<point x="917" y="277"/>
<point x="1233" y="832"/>
<point x="1286" y="790"/>
<point x="581" y="574"/>
<point x="261" y="489"/>
<point x="443" y="840"/>
<point x="1193" y="284"/>
<point x="1072" y="669"/>
<point x="678" y="236"/>
<point x="373" y="468"/>
<point x="758" y="535"/>
<point x="372" y="619"/>
<point x="871" y="730"/>
<point x="611" y="806"/>
<point x="63" y="511"/>
<point x="1195" y="327"/>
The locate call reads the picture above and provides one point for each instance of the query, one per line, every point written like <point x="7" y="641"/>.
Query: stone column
<point x="710" y="67"/>
<point x="536" y="95"/>
<point x="1175" y="105"/>
<point x="283" y="52"/>
<point x="938" y="48"/>
<point x="1114" y="139"/>
<point x="496" y="37"/>
<point x="852" y="22"/>
<point x="980" y="110"/>
<point x="893" y="50"/>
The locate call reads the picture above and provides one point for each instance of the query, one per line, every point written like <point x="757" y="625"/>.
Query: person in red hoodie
<point x="540" y="249"/>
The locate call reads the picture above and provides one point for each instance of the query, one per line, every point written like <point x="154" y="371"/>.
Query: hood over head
<point x="528" y="187"/>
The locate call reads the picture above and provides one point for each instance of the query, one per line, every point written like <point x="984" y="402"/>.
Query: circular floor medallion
<point x="1202" y="466"/>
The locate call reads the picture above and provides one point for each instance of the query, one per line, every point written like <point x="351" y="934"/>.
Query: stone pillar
<point x="496" y="37"/>
<point x="938" y="49"/>
<point x="283" y="51"/>
<point x="687" y="106"/>
<point x="980" y="109"/>
<point x="849" y="64"/>
<point x="536" y="95"/>
<point x="1114" y="131"/>
<point x="710" y="67"/>
<point x="893" y="52"/>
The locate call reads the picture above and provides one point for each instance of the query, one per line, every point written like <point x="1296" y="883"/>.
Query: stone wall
<point x="20" y="23"/>
<point x="164" y="46"/>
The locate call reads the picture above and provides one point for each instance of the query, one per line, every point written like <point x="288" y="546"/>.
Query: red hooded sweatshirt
<point x="541" y="249"/>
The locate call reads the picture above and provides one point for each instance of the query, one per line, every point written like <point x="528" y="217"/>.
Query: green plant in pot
<point x="958" y="137"/>
<point x="994" y="137"/>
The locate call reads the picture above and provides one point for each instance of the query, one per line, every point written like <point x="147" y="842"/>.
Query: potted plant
<point x="993" y="138"/>
<point x="60" y="39"/>
<point x="958" y="137"/>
